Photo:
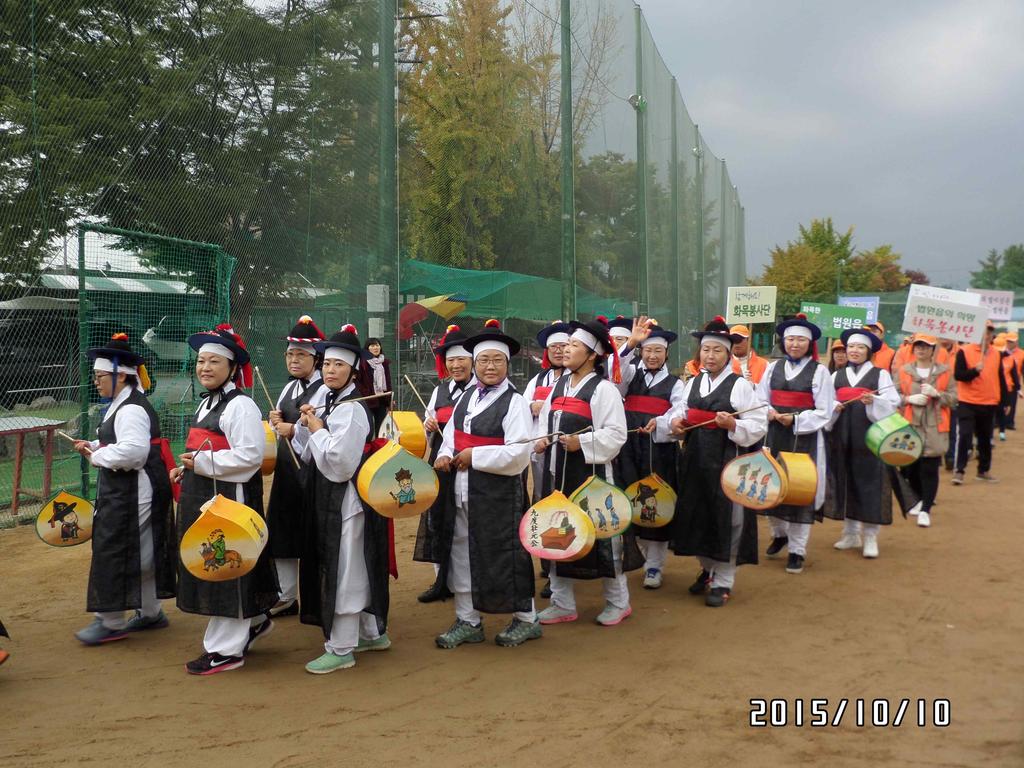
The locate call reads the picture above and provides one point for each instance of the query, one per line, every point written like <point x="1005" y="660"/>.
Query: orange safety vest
<point x="941" y="382"/>
<point x="947" y="357"/>
<point x="1008" y="363"/>
<point x="984" y="388"/>
<point x="756" y="364"/>
<point x="1018" y="355"/>
<point x="883" y="357"/>
<point x="903" y="355"/>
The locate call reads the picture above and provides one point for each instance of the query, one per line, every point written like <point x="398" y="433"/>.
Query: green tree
<point x="1001" y="271"/>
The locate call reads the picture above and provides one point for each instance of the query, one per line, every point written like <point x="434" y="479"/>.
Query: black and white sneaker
<point x="261" y="630"/>
<point x="701" y="584"/>
<point x="212" y="663"/>
<point x="795" y="563"/>
<point x="717" y="597"/>
<point x="778" y="542"/>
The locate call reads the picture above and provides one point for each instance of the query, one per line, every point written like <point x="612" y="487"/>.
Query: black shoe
<point x="546" y="591"/>
<point x="949" y="465"/>
<point x="701" y="584"/>
<point x="717" y="597"/>
<point x="778" y="542"/>
<point x="795" y="563"/>
<point x="212" y="663"/>
<point x="255" y="632"/>
<point x="436" y="592"/>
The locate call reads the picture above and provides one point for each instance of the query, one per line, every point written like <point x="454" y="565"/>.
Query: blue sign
<point x="870" y="303"/>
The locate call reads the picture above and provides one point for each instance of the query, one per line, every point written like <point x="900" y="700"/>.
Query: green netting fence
<point x="168" y="164"/>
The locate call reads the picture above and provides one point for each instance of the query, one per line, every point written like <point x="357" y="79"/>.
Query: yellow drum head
<point x="556" y="529"/>
<point x="224" y="542"/>
<point x="269" y="449"/>
<point x="406" y="429"/>
<point x="801" y="477"/>
<point x="653" y="502"/>
<point x="396" y="483"/>
<point x="755" y="480"/>
<point x="65" y="521"/>
<point x="894" y="441"/>
<point x="607" y="506"/>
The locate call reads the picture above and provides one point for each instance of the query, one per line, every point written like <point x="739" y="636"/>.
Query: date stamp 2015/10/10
<point x="863" y="713"/>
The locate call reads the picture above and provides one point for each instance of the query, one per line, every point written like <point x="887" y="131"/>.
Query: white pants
<point x="654" y="553"/>
<point x="460" y="576"/>
<point x="724" y="574"/>
<point x="616" y="590"/>
<point x="147" y="575"/>
<point x="856" y="528"/>
<point x="288" y="578"/>
<point x="347" y="629"/>
<point x="798" y="534"/>
<point x="229" y="636"/>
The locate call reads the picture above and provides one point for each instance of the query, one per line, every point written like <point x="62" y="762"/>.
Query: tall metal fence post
<point x="699" y="154"/>
<point x="674" y="186"/>
<point x="568" y="173"/>
<point x="387" y="190"/>
<point x="83" y="363"/>
<point x="724" y="262"/>
<point x="641" y="168"/>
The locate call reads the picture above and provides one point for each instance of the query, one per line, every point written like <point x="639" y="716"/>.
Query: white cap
<point x="340" y="353"/>
<point x="798" y="330"/>
<point x="491" y="345"/>
<point x="301" y="347"/>
<point x="722" y="340"/>
<point x="655" y="341"/>
<point x="558" y="338"/>
<point x="859" y="338"/>
<point x="588" y="339"/>
<point x="456" y="351"/>
<point x="216" y="349"/>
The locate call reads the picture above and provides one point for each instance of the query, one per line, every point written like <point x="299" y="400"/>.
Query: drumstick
<point x="413" y="388"/>
<point x="273" y="406"/>
<point x="68" y="437"/>
<point x="712" y="421"/>
<point x="355" y="400"/>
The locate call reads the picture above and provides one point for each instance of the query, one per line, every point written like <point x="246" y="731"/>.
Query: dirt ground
<point x="938" y="616"/>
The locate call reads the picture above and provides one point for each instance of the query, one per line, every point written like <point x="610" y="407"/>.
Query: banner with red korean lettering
<point x="999" y="303"/>
<point x="749" y="304"/>
<point x="945" y="319"/>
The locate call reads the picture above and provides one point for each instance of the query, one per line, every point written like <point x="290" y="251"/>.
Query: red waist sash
<point x="465" y="440"/>
<point x="196" y="437"/>
<point x="443" y="415"/>
<point x="699" y="415"/>
<point x="652" y="406"/>
<point x="787" y="399"/>
<point x="846" y="394"/>
<point x="540" y="394"/>
<point x="572" y="405"/>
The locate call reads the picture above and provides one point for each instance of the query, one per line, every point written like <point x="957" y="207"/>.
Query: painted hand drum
<point x="224" y="542"/>
<point x="894" y="441"/>
<point x="653" y="502"/>
<point x="65" y="521"/>
<point x="607" y="506"/>
<point x="406" y="429"/>
<point x="755" y="480"/>
<point x="556" y="529"/>
<point x="269" y="450"/>
<point x="396" y="483"/>
<point x="801" y="476"/>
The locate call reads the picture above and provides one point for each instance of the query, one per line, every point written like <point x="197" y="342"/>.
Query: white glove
<point x="917" y="399"/>
<point x="928" y="389"/>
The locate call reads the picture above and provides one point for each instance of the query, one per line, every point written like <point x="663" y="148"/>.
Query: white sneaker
<point x="849" y="541"/>
<point x="924" y="520"/>
<point x="652" y="578"/>
<point x="915" y="509"/>
<point x="871" y="546"/>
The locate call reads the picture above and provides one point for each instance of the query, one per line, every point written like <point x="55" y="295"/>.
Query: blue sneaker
<point x="97" y="634"/>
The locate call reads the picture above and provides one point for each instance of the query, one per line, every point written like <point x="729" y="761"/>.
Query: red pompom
<point x="119" y="337"/>
<point x="226" y="327"/>
<point x="492" y="323"/>
<point x="440" y="367"/>
<point x="801" y="316"/>
<point x="349" y="328"/>
<point x="719" y="319"/>
<point x="451" y="328"/>
<point x="604" y="320"/>
<point x="305" y="320"/>
<point x="545" y="363"/>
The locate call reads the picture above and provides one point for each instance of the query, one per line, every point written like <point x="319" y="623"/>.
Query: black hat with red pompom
<point x="345" y="339"/>
<point x="595" y="335"/>
<point x="555" y="333"/>
<point x="717" y="329"/>
<point x="619" y="324"/>
<point x="492" y="333"/>
<point x="221" y="340"/>
<point x="454" y="339"/>
<point x="305" y="332"/>
<point x="798" y="321"/>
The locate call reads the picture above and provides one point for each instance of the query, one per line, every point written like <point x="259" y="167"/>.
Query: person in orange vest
<point x="903" y="355"/>
<point x="928" y="394"/>
<point x="977" y="370"/>
<point x="1012" y="346"/>
<point x="1009" y="384"/>
<point x="745" y="361"/>
<point x="883" y="358"/>
<point x="836" y="356"/>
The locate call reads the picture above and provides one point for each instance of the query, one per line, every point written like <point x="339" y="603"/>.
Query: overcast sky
<point x="903" y="118"/>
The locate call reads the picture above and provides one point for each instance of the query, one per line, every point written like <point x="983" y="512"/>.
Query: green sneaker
<point x="381" y="643"/>
<point x="330" y="662"/>
<point x="518" y="632"/>
<point x="460" y="632"/>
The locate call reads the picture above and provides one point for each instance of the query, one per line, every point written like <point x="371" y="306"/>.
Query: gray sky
<point x="903" y="118"/>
